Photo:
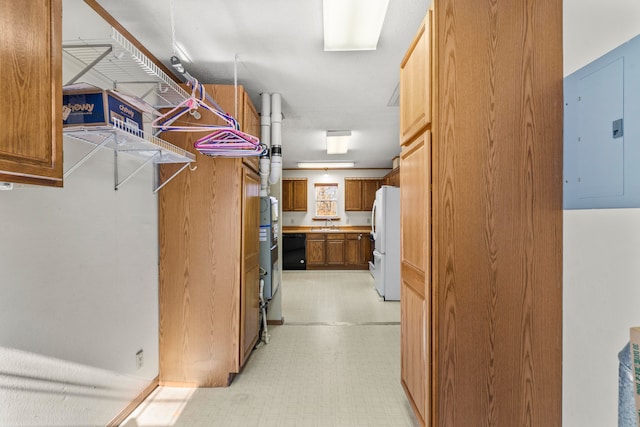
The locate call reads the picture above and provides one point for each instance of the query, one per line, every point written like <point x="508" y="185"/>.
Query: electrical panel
<point x="601" y="148"/>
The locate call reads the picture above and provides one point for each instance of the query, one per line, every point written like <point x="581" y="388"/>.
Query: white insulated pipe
<point x="265" y="138"/>
<point x="276" y="138"/>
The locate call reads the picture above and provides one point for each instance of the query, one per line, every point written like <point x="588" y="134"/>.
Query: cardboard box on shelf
<point x="88" y="105"/>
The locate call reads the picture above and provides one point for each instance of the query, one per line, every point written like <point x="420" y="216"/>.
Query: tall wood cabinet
<point x="209" y="263"/>
<point x="31" y="88"/>
<point x="481" y="209"/>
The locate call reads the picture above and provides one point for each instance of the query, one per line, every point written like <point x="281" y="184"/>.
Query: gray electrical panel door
<point x="602" y="131"/>
<point x="600" y="169"/>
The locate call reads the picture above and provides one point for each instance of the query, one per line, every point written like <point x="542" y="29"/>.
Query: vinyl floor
<point x="334" y="362"/>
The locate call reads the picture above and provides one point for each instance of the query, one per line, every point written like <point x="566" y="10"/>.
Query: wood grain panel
<point x="251" y="125"/>
<point x="31" y="85"/>
<point x="369" y="188"/>
<point x="414" y="199"/>
<point x="335" y="249"/>
<point x="415" y="85"/>
<point x="414" y="337"/>
<point x="250" y="269"/>
<point x="415" y="234"/>
<point x="499" y="201"/>
<point x="316" y="249"/>
<point x="300" y="195"/>
<point x="352" y="249"/>
<point x="201" y="262"/>
<point x="352" y="194"/>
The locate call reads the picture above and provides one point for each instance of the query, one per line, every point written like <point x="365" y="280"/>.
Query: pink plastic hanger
<point x="165" y="122"/>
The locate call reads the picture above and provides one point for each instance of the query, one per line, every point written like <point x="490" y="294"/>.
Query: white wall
<point x="78" y="294"/>
<point x="601" y="247"/>
<point x="330" y="176"/>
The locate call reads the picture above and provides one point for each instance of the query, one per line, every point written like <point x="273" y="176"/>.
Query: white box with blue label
<point x="88" y="105"/>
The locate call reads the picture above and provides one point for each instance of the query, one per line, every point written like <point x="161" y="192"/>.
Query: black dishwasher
<point x="294" y="251"/>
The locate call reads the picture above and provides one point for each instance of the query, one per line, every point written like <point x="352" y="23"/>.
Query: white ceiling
<point x="280" y="49"/>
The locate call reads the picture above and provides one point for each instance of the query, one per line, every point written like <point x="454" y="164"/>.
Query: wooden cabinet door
<point x="415" y="84"/>
<point x="250" y="270"/>
<point x="300" y="195"/>
<point x="369" y="188"/>
<point x="335" y="249"/>
<point x="294" y="195"/>
<point x="316" y="249"/>
<point x="31" y="88"/>
<point x="287" y="195"/>
<point x="415" y="331"/>
<point x="352" y="194"/>
<point x="352" y="253"/>
<point x="393" y="178"/>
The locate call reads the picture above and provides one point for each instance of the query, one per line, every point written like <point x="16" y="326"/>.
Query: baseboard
<point x="134" y="403"/>
<point x="276" y="322"/>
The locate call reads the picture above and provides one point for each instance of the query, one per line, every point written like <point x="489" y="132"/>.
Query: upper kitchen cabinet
<point x="360" y="193"/>
<point x="294" y="194"/>
<point x="250" y="120"/>
<point x="415" y="78"/>
<point x="31" y="87"/>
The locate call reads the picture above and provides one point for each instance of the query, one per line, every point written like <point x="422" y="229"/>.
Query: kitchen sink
<point x="326" y="230"/>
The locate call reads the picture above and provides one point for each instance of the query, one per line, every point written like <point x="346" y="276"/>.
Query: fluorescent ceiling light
<point x="338" y="141"/>
<point x="353" y="24"/>
<point x="325" y="165"/>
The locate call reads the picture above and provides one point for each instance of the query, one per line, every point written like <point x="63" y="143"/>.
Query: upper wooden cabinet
<point x="392" y="178"/>
<point x="481" y="215"/>
<point x="294" y="194"/>
<point x="250" y="120"/>
<point x="31" y="88"/>
<point x="360" y="193"/>
<point x="415" y="84"/>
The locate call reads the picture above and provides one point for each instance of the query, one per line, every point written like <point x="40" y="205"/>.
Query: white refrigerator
<point x="385" y="228"/>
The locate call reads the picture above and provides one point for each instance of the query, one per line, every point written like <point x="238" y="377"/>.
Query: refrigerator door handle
<point x="373" y="218"/>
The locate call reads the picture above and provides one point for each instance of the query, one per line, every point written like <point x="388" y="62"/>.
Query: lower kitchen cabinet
<point x="357" y="251"/>
<point x="316" y="250"/>
<point x="351" y="251"/>
<point x="335" y="249"/>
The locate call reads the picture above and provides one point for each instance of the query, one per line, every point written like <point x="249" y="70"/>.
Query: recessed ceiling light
<point x="353" y="24"/>
<point x="325" y="165"/>
<point x="338" y="141"/>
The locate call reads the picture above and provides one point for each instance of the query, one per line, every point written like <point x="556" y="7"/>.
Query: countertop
<point x="336" y="229"/>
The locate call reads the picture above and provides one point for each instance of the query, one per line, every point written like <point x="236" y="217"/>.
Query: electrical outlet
<point x="368" y="220"/>
<point x="139" y="359"/>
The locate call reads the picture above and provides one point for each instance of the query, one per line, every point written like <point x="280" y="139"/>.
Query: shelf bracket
<point x="108" y="50"/>
<point x="87" y="157"/>
<point x="158" y="187"/>
<point x="118" y="184"/>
